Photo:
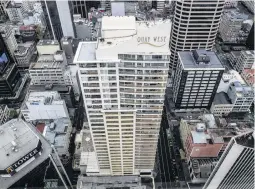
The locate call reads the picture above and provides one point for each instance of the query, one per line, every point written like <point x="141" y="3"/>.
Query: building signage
<point x="11" y="169"/>
<point x="156" y="41"/>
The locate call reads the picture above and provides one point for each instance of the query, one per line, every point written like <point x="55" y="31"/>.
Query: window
<point x="157" y="57"/>
<point x="139" y="57"/>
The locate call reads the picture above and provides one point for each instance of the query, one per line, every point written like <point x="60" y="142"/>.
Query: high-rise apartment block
<point x="231" y="25"/>
<point x="46" y="105"/>
<point x="123" y="78"/>
<point x="235" y="168"/>
<point x="196" y="79"/>
<point x="195" y="26"/>
<point x="58" y="16"/>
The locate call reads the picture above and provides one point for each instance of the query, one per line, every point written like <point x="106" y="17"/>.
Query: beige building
<point x="123" y="78"/>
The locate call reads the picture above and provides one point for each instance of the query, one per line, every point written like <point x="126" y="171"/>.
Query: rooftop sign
<point x="156" y="41"/>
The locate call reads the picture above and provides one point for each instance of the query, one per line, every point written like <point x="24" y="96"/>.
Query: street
<point x="170" y="174"/>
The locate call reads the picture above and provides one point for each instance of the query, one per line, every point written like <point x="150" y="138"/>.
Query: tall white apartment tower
<point x="235" y="168"/>
<point x="195" y="26"/>
<point x="123" y="78"/>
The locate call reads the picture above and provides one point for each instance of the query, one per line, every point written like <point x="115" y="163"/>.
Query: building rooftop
<point x="47" y="42"/>
<point x="56" y="131"/>
<point x="209" y="151"/>
<point x="228" y="78"/>
<point x="122" y="34"/>
<point x="200" y="59"/>
<point x="118" y="23"/>
<point x="199" y="137"/>
<point x="46" y="97"/>
<point x="24" y="143"/>
<point x="208" y="137"/>
<point x="221" y="98"/>
<point x="87" y="51"/>
<point x="88" y="155"/>
<point x="16" y="140"/>
<point x="235" y="53"/>
<point x="242" y="90"/>
<point x="23" y="48"/>
<point x="50" y="87"/>
<point x="50" y="61"/>
<point x="27" y="28"/>
<point x="237" y="16"/>
<point x="106" y="182"/>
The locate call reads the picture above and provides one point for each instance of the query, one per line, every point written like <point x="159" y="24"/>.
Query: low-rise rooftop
<point x="56" y="131"/>
<point x="50" y="61"/>
<point x="47" y="42"/>
<point x="209" y="151"/>
<point x="46" y="97"/>
<point x="51" y="87"/>
<point x="107" y="182"/>
<point x="236" y="16"/>
<point x="228" y="78"/>
<point x="23" y="48"/>
<point x="221" y="98"/>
